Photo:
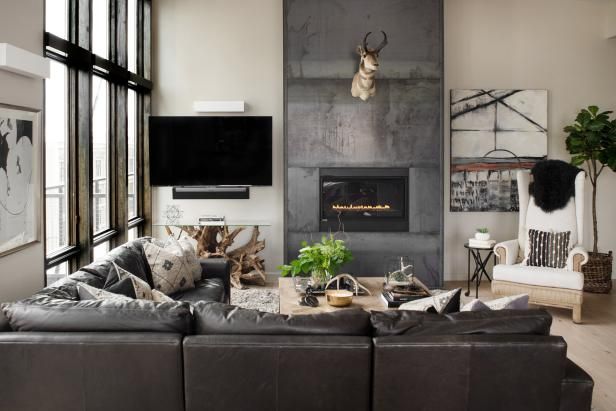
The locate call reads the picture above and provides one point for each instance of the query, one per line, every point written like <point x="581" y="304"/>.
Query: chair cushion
<point x="217" y="318"/>
<point x="540" y="276"/>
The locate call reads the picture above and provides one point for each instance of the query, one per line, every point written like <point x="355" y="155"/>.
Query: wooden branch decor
<point x="215" y="241"/>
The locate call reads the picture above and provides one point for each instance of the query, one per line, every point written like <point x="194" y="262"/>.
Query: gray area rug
<point x="262" y="299"/>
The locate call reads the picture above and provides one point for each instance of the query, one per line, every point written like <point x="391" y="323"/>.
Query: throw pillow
<point x="141" y="289"/>
<point x="87" y="292"/>
<point x="187" y="250"/>
<point x="169" y="271"/>
<point x="443" y="303"/>
<point x="475" y="305"/>
<point x="513" y="302"/>
<point x="159" y="297"/>
<point x="548" y="249"/>
<point x="123" y="287"/>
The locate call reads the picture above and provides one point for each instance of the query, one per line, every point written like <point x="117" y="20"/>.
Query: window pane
<point x="100" y="251"/>
<point x="133" y="233"/>
<point x="56" y="18"/>
<point x="100" y="28"/>
<point x="56" y="164"/>
<point x="132" y="157"/>
<point x="100" y="153"/>
<point x="57" y="272"/>
<point x="131" y="35"/>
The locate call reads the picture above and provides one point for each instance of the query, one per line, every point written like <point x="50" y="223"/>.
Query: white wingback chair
<point x="545" y="286"/>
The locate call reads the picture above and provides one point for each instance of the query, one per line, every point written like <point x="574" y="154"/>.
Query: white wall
<point x="223" y="50"/>
<point x="21" y="24"/>
<point x="232" y="49"/>
<point x="557" y="45"/>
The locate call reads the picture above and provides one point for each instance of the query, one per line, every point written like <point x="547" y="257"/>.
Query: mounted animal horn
<point x="383" y="43"/>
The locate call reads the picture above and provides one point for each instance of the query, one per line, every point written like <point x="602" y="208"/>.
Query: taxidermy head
<point x="364" y="85"/>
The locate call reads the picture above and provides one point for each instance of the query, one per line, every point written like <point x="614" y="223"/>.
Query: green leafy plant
<point x="483" y="230"/>
<point x="592" y="143"/>
<point x="324" y="258"/>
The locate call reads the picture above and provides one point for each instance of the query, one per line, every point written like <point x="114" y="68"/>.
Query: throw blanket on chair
<point x="553" y="185"/>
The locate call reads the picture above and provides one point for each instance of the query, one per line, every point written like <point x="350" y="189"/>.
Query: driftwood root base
<point x="246" y="265"/>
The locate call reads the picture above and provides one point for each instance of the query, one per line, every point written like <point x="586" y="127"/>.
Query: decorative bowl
<point x="339" y="298"/>
<point x="482" y="236"/>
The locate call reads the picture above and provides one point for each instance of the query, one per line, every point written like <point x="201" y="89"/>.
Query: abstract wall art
<point x="494" y="133"/>
<point x="19" y="179"/>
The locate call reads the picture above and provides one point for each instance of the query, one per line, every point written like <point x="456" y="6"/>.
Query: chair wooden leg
<point x="577" y="313"/>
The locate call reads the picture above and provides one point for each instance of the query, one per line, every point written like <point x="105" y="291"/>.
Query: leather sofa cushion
<point x="47" y="314"/>
<point x="217" y="318"/>
<point x="207" y="290"/>
<point x="534" y="322"/>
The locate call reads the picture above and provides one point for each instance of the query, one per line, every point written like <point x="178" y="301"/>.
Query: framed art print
<point x="20" y="190"/>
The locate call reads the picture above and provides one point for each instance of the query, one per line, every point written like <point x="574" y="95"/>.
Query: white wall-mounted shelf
<point x="23" y="62"/>
<point x="219" y="106"/>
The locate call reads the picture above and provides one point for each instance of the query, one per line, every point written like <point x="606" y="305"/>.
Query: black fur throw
<point x="553" y="185"/>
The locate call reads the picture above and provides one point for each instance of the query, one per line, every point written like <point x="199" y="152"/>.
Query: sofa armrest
<point x="217" y="268"/>
<point x="576" y="388"/>
<point x="578" y="256"/>
<point x="507" y="251"/>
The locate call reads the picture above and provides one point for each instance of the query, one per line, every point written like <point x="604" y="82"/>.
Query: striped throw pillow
<point x="548" y="249"/>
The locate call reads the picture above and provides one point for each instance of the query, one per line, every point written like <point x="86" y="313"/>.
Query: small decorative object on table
<point x="481" y="239"/>
<point x="172" y="214"/>
<point x="320" y="260"/>
<point x="339" y="298"/>
<point x="401" y="285"/>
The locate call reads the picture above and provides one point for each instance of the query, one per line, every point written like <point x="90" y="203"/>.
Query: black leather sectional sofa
<point x="59" y="353"/>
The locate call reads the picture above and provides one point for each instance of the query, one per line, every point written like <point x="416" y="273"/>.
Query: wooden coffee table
<point x="289" y="298"/>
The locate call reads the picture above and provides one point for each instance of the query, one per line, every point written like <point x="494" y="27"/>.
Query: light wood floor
<point x="591" y="345"/>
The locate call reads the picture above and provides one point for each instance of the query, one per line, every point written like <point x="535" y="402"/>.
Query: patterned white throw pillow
<point x="190" y="255"/>
<point x="513" y="302"/>
<point x="169" y="271"/>
<point x="159" y="297"/>
<point x="87" y="292"/>
<point x="439" y="302"/>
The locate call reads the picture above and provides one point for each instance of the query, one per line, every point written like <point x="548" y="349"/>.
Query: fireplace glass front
<point x="364" y="199"/>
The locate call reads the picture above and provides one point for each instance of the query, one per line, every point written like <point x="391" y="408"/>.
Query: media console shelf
<point x="214" y="241"/>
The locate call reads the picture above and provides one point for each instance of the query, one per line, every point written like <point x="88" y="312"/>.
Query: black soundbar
<point x="211" y="192"/>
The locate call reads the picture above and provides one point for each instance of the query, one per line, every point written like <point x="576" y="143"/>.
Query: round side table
<point x="480" y="267"/>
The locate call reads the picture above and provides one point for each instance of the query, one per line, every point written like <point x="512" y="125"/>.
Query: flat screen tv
<point x="211" y="151"/>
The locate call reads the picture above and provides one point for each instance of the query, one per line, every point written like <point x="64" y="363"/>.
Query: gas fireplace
<point x="364" y="199"/>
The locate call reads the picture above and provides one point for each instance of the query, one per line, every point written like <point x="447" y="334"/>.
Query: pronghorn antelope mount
<point x="364" y="84"/>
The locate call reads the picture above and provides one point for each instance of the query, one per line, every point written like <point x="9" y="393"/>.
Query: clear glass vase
<point x="320" y="278"/>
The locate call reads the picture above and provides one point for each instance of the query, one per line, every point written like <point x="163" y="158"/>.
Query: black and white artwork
<point x="494" y="133"/>
<point x="19" y="183"/>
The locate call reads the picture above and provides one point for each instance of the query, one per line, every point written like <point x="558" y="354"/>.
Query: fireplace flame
<point x="340" y="207"/>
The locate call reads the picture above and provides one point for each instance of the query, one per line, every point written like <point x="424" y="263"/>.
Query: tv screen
<point x="210" y="151"/>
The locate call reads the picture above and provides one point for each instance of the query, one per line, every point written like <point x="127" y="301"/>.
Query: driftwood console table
<point x="215" y="240"/>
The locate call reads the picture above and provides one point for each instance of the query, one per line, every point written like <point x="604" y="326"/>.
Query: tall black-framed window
<point x="97" y="102"/>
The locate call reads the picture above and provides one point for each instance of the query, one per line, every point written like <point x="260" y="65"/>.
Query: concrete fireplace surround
<point x="401" y="127"/>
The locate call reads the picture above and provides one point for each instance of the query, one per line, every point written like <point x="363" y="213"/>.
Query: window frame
<point x="77" y="55"/>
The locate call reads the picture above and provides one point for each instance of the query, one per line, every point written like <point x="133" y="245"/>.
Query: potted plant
<point x="591" y="141"/>
<point x="482" y="234"/>
<point x="320" y="260"/>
